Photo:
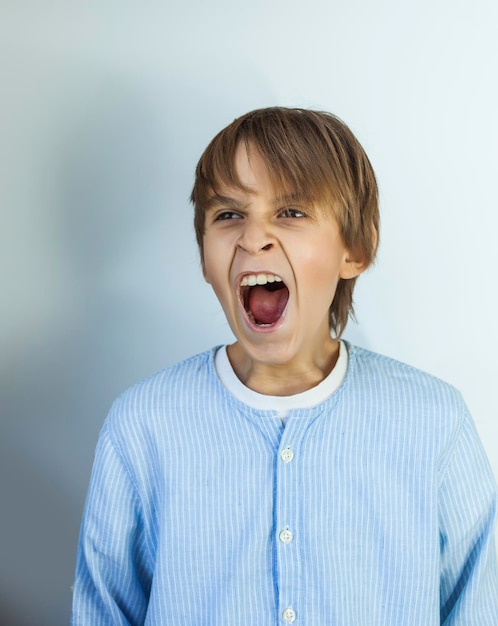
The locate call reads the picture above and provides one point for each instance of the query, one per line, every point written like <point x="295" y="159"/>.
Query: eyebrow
<point x="217" y="201"/>
<point x="292" y="198"/>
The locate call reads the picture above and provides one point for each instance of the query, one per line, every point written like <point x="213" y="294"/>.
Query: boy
<point x="288" y="477"/>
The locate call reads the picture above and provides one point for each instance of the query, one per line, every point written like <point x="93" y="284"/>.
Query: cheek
<point x="205" y="269"/>
<point x="216" y="274"/>
<point x="320" y="265"/>
<point x="217" y="258"/>
<point x="209" y="263"/>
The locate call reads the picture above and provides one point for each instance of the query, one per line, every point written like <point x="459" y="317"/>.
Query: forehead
<point x="250" y="175"/>
<point x="250" y="168"/>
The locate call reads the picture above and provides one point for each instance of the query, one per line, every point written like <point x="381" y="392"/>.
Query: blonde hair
<point x="310" y="153"/>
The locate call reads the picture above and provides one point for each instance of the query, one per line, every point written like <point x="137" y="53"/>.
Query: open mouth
<point x="264" y="297"/>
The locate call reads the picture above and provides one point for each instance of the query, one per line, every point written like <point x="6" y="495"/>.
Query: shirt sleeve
<point x="112" y="582"/>
<point x="467" y="513"/>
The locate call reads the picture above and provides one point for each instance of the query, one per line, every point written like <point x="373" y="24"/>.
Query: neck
<point x="283" y="379"/>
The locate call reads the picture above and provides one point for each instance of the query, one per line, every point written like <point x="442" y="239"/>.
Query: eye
<point x="292" y="213"/>
<point x="227" y="215"/>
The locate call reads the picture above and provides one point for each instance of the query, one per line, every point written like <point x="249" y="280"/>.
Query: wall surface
<point x="106" y="106"/>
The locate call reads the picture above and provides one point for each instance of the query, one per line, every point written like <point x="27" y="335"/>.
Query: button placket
<point x="286" y="518"/>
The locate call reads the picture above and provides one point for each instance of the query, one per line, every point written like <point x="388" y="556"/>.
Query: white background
<point x="106" y="107"/>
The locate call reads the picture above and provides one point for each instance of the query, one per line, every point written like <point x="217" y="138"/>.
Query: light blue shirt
<point x="374" y="508"/>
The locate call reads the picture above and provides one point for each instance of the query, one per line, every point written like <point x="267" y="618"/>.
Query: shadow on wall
<point x="39" y="530"/>
<point x="115" y="227"/>
<point x="107" y="186"/>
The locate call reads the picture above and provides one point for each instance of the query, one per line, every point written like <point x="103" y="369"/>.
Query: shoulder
<point x="405" y="392"/>
<point x="389" y="374"/>
<point x="175" y="380"/>
<point x="164" y="395"/>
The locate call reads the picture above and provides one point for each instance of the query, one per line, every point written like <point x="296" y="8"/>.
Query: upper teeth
<point x="259" y="279"/>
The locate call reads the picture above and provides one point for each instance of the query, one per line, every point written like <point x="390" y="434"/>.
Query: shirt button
<point x="286" y="536"/>
<point x="287" y="455"/>
<point x="289" y="615"/>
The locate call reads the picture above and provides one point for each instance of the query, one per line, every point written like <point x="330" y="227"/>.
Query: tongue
<point x="267" y="305"/>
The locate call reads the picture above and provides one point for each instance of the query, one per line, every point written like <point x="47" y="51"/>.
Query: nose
<point x="256" y="237"/>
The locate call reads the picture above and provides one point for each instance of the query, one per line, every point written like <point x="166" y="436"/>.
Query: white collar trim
<point x="305" y="400"/>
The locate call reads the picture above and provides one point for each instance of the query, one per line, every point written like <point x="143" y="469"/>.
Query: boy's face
<point x="274" y="266"/>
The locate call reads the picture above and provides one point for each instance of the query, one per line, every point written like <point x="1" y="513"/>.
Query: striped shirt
<point x="375" y="507"/>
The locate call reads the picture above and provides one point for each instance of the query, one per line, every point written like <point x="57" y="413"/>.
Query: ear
<point x="352" y="266"/>
<point x="354" y="263"/>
